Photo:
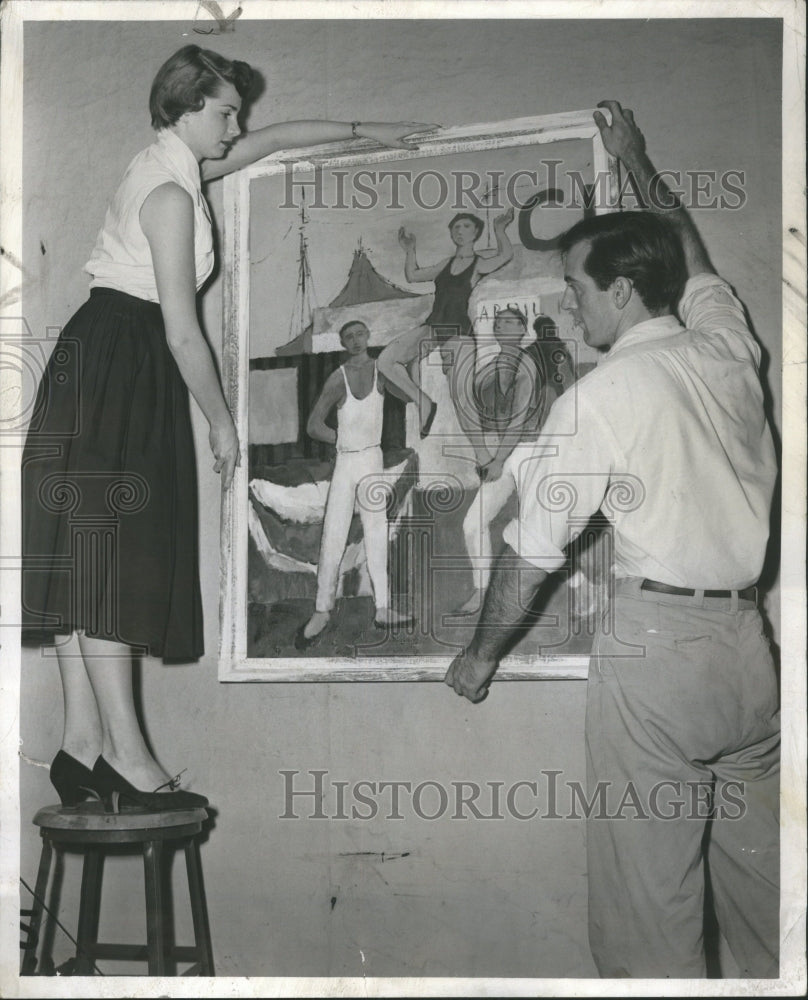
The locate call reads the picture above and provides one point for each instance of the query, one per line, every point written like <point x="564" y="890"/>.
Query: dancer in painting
<point x="513" y="393"/>
<point x="448" y="325"/>
<point x="356" y="389"/>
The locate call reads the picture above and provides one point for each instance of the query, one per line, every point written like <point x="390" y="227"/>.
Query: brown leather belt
<point x="750" y="594"/>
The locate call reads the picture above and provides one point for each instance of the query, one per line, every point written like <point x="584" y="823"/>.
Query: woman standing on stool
<point x="109" y="476"/>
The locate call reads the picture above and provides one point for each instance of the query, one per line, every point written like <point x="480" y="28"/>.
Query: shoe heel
<point x="112" y="802"/>
<point x="69" y="795"/>
<point x="72" y="780"/>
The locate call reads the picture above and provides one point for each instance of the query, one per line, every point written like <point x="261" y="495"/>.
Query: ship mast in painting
<point x="305" y="297"/>
<point x="364" y="285"/>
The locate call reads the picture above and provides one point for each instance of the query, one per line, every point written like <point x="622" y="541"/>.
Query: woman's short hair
<point x="641" y="246"/>
<point x="188" y="77"/>
<point x="479" y="225"/>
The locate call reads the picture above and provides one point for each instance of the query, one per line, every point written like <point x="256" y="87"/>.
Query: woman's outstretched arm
<point x="167" y="219"/>
<point x="412" y="272"/>
<point x="252" y="146"/>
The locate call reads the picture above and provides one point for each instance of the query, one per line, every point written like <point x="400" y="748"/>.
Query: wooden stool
<point x="92" y="831"/>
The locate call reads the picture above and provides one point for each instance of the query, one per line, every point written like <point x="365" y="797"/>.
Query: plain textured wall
<point x="410" y="896"/>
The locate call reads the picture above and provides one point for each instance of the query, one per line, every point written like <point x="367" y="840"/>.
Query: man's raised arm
<point x="624" y="140"/>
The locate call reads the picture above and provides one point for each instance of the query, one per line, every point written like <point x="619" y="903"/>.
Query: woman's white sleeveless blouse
<point x="122" y="257"/>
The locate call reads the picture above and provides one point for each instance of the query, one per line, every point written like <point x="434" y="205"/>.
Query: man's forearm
<point x="623" y="139"/>
<point x="511" y="592"/>
<point x="656" y="194"/>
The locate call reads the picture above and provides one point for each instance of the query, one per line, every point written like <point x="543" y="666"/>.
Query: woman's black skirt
<point x="109" y="492"/>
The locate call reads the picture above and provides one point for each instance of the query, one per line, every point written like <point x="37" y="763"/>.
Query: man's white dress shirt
<point x="668" y="437"/>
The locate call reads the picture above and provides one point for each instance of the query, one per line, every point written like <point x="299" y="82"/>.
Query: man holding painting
<point x="672" y="444"/>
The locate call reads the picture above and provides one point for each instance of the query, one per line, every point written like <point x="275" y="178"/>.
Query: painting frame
<point x="235" y="663"/>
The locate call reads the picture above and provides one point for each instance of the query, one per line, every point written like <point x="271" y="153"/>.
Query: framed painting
<point x="355" y="545"/>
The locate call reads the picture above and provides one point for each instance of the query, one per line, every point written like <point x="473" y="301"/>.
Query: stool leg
<point x="29" y="955"/>
<point x="89" y="908"/>
<point x="155" y="924"/>
<point x="199" y="908"/>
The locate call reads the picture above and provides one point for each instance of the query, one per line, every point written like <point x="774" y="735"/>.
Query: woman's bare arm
<point x="167" y="219"/>
<point x="252" y="146"/>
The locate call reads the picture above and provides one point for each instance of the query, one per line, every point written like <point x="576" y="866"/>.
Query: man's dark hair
<point x="190" y="76"/>
<point x="641" y="246"/>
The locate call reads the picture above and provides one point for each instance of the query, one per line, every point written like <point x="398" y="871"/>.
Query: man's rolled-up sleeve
<point x="561" y="481"/>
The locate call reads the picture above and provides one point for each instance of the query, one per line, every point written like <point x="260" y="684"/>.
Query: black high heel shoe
<point x="117" y="793"/>
<point x="74" y="782"/>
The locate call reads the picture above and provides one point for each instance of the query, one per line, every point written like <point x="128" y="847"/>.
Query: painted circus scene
<point x="403" y="360"/>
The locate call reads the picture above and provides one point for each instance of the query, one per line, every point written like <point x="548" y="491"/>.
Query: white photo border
<point x="792" y="981"/>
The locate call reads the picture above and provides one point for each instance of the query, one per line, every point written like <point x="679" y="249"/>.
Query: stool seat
<point x="90" y="829"/>
<point x="91" y="817"/>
